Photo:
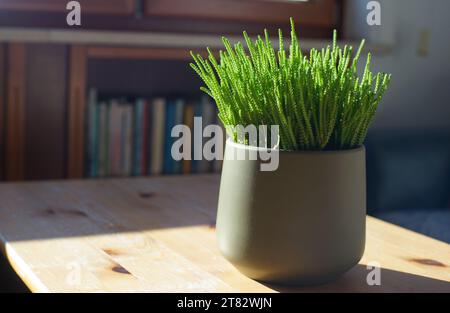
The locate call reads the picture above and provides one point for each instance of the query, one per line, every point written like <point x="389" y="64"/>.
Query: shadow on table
<point x="355" y="280"/>
<point x="9" y="281"/>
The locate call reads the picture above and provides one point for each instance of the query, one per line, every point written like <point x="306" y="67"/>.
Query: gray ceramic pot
<point x="301" y="224"/>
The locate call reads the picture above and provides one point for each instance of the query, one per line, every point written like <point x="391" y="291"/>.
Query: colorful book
<point x="138" y="9"/>
<point x="217" y="164"/>
<point x="189" y="122"/>
<point x="145" y="158"/>
<point x="158" y="115"/>
<point x="170" y="122"/>
<point x="209" y="117"/>
<point x="197" y="139"/>
<point x="126" y="140"/>
<point x="115" y="120"/>
<point x="177" y="166"/>
<point x="137" y="136"/>
<point x="103" y="132"/>
<point x="92" y="134"/>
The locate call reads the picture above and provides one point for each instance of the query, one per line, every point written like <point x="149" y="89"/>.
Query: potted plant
<point x="303" y="223"/>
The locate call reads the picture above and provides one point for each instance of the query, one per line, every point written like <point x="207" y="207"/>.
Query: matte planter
<point x="302" y="224"/>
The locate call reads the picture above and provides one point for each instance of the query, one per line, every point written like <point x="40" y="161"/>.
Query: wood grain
<point x="15" y="112"/>
<point x="157" y="235"/>
<point x="46" y="111"/>
<point x="76" y="111"/>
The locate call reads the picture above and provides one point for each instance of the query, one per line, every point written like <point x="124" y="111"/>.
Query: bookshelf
<point x="46" y="68"/>
<point x="80" y="59"/>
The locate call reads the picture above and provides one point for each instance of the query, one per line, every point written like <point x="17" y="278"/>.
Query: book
<point x="217" y="164"/>
<point x="189" y="122"/>
<point x="145" y="158"/>
<point x="138" y="9"/>
<point x="103" y="140"/>
<point x="115" y="119"/>
<point x="158" y="118"/>
<point x="170" y="121"/>
<point x="209" y="117"/>
<point x="138" y="144"/>
<point x="197" y="138"/>
<point x="126" y="140"/>
<point x="178" y="120"/>
<point x="92" y="133"/>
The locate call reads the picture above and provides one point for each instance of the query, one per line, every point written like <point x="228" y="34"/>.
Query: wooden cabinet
<point x="314" y="12"/>
<point x="32" y="111"/>
<point x="43" y="91"/>
<point x="113" y="7"/>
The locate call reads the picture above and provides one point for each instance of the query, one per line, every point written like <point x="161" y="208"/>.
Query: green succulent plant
<point x="318" y="101"/>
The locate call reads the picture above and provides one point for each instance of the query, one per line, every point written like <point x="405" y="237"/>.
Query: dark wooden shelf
<point x="315" y="18"/>
<point x="107" y="7"/>
<point x="79" y="62"/>
<point x="313" y="13"/>
<point x="138" y="53"/>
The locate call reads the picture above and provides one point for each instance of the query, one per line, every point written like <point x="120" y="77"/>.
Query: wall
<point x="419" y="96"/>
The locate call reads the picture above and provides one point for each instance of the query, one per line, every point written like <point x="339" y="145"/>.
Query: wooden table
<point x="157" y="235"/>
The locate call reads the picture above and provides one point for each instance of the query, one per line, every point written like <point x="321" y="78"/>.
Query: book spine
<point x="178" y="120"/>
<point x="145" y="138"/>
<point x="122" y="142"/>
<point x="189" y="122"/>
<point x="138" y="9"/>
<point x="158" y="133"/>
<point x="92" y="134"/>
<point x="103" y="140"/>
<point x="217" y="164"/>
<point x="208" y="114"/>
<point x="170" y="120"/>
<point x="198" y="142"/>
<point x="127" y="140"/>
<point x="135" y="139"/>
<point x="137" y="136"/>
<point x="114" y="136"/>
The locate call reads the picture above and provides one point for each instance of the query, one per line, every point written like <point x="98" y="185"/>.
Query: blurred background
<point x="93" y="100"/>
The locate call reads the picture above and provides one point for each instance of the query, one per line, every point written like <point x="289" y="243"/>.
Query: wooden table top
<point x="157" y="235"/>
